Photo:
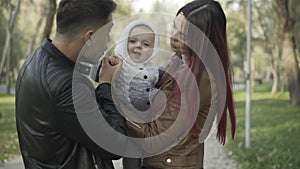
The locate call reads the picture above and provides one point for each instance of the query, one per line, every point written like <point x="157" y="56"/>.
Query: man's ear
<point x="87" y="35"/>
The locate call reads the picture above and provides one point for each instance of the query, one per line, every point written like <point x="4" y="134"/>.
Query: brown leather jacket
<point x="189" y="153"/>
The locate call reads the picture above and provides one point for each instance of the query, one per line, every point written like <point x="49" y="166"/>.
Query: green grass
<point x="9" y="146"/>
<point x="275" y="128"/>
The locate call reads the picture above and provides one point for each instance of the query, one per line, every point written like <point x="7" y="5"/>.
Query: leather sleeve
<point x="70" y="106"/>
<point x="110" y="113"/>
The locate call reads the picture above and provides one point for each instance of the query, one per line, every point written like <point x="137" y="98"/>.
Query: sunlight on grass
<point x="275" y="128"/>
<point x="4" y="99"/>
<point x="9" y="146"/>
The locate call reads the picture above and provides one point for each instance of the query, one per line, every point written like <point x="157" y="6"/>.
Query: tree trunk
<point x="289" y="52"/>
<point x="15" y="73"/>
<point x="271" y="35"/>
<point x="49" y="18"/>
<point x="275" y="60"/>
<point x="8" y="54"/>
<point x="8" y="71"/>
<point x="283" y="82"/>
<point x="13" y="13"/>
<point x="5" y="53"/>
<point x="291" y="66"/>
<point x="275" y="81"/>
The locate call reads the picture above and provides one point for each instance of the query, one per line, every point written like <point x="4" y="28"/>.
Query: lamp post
<point x="248" y="78"/>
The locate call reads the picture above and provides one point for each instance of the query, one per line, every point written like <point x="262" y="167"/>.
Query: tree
<point x="283" y="9"/>
<point x="6" y="55"/>
<point x="271" y="37"/>
<point x="124" y="8"/>
<point x="44" y="9"/>
<point x="50" y="7"/>
<point x="236" y="33"/>
<point x="237" y="41"/>
<point x="34" y="36"/>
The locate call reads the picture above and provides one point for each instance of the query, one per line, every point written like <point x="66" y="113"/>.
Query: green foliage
<point x="19" y="49"/>
<point x="4" y="3"/>
<point x="274" y="131"/>
<point x="237" y="42"/>
<point x="274" y="127"/>
<point x="236" y="37"/>
<point x="123" y="9"/>
<point x="19" y="42"/>
<point x="9" y="146"/>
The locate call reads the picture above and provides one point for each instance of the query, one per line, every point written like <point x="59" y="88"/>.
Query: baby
<point x="134" y="87"/>
<point x="138" y="76"/>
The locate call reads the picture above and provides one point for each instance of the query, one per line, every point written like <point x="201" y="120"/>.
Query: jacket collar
<point x="54" y="52"/>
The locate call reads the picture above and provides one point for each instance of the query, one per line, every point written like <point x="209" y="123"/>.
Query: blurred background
<point x="275" y="77"/>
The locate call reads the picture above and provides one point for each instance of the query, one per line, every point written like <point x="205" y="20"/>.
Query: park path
<point x="216" y="157"/>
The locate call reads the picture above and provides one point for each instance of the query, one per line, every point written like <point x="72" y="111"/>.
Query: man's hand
<point x="108" y="70"/>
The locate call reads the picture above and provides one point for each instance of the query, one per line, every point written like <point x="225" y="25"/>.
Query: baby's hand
<point x="107" y="71"/>
<point x="113" y="60"/>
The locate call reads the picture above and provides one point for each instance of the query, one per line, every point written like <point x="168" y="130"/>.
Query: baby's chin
<point x="138" y="60"/>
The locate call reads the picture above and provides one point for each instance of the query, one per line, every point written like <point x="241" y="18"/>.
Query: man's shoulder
<point x="55" y="74"/>
<point x="58" y="75"/>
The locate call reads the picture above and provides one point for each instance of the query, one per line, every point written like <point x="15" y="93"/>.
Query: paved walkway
<point x="216" y="157"/>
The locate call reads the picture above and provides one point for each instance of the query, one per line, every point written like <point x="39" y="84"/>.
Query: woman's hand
<point x="108" y="70"/>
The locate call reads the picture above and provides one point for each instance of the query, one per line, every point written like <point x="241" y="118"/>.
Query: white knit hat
<point x="121" y="47"/>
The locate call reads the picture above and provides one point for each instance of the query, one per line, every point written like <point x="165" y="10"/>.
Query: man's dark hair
<point x="76" y="15"/>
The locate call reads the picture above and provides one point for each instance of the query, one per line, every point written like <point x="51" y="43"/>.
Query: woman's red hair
<point x="208" y="16"/>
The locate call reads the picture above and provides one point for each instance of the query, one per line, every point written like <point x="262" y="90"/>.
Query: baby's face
<point x="140" y="43"/>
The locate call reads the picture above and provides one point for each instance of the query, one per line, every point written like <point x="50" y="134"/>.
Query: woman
<point x="192" y="51"/>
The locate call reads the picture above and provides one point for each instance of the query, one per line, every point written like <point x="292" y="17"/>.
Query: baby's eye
<point x="147" y="44"/>
<point x="132" y="41"/>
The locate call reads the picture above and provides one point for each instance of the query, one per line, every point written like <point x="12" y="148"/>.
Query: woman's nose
<point x="174" y="39"/>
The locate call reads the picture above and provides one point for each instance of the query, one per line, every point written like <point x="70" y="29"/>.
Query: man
<point x="49" y="131"/>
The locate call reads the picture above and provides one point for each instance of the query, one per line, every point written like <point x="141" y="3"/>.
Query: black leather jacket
<point x="49" y="131"/>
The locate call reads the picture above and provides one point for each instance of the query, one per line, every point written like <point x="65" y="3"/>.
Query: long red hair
<point x="208" y="16"/>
